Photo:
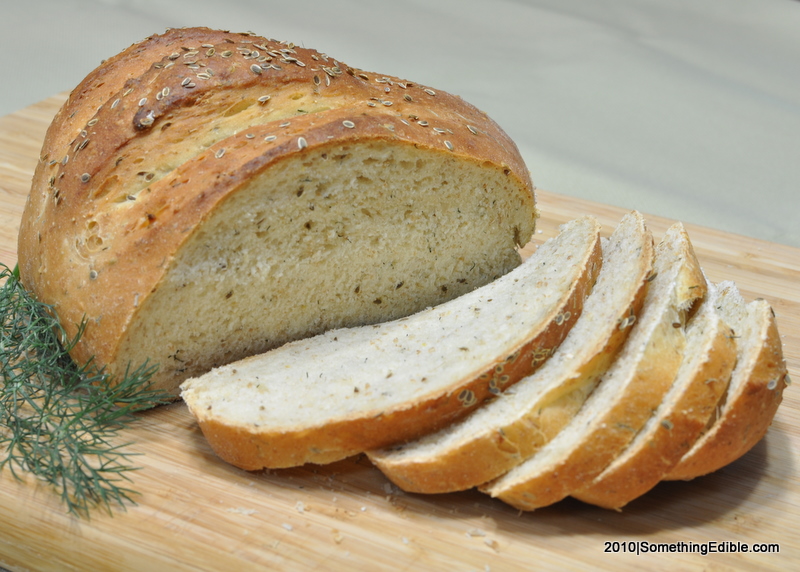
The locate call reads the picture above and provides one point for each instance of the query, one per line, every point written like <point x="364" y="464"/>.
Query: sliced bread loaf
<point x="755" y="390"/>
<point x="509" y="429"/>
<point x="629" y="392"/>
<point x="351" y="390"/>
<point x="680" y="419"/>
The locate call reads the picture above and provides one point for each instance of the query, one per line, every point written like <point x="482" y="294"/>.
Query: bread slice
<point x="628" y="394"/>
<point x="680" y="419"/>
<point x="207" y="195"/>
<point x="754" y="393"/>
<point x="351" y="390"/>
<point x="509" y="429"/>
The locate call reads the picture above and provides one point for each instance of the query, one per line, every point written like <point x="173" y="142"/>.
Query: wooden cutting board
<point x="198" y="513"/>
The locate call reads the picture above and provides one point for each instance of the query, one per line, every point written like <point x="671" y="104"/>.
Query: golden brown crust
<point x="81" y="105"/>
<point x="747" y="418"/>
<point x="147" y="146"/>
<point x="249" y="448"/>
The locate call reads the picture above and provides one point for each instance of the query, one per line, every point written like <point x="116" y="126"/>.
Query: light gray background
<point x="688" y="109"/>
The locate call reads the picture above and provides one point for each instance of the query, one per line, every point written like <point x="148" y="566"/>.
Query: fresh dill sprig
<point x="59" y="420"/>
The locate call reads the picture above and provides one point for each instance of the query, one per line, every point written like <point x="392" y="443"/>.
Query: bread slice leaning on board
<point x="754" y="393"/>
<point x="720" y="405"/>
<point x="630" y="390"/>
<point x="351" y="390"/>
<point x="686" y="411"/>
<point x="205" y="195"/>
<point x="510" y="428"/>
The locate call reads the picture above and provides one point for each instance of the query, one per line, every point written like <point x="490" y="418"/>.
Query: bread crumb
<point x="492" y="544"/>
<point x="300" y="507"/>
<point x="287" y="526"/>
<point x="240" y="510"/>
<point x="476" y="532"/>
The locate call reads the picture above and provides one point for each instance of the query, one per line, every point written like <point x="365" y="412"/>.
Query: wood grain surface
<point x="197" y="513"/>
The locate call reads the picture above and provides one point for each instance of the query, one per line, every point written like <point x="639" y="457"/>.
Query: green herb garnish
<point x="58" y="420"/>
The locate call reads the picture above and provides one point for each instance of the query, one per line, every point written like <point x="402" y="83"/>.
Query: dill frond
<point x="60" y="420"/>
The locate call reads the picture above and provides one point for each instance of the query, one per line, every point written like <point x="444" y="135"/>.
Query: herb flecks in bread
<point x="204" y="196"/>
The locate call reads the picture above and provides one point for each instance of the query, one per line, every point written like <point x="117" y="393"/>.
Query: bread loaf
<point x="204" y="196"/>
<point x="509" y="429"/>
<point x="350" y="390"/>
<point x="630" y="390"/>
